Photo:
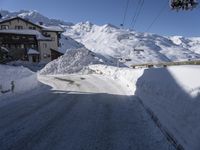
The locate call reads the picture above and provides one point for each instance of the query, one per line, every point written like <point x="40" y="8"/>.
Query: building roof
<point x="33" y="52"/>
<point x="52" y="28"/>
<point x="17" y="17"/>
<point x="38" y="35"/>
<point x="4" y="49"/>
<point x="43" y="27"/>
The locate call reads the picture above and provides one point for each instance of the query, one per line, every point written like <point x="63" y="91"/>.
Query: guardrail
<point x="165" y="64"/>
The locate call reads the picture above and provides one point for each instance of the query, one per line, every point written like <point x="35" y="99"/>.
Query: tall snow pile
<point x="74" y="61"/>
<point x="23" y="78"/>
<point x="130" y="45"/>
<point x="126" y="76"/>
<point x="173" y="94"/>
<point x="68" y="43"/>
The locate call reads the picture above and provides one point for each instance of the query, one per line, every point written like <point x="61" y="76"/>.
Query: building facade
<point x="29" y="41"/>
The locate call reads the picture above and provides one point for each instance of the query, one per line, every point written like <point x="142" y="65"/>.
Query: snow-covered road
<point x="78" y="112"/>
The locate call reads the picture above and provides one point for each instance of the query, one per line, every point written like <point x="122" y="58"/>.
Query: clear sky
<point x="185" y="23"/>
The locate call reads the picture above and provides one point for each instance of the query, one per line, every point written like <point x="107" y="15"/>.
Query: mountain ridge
<point x="109" y="40"/>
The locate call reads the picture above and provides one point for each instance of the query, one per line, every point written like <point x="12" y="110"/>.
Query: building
<point x="29" y="41"/>
<point x="3" y="54"/>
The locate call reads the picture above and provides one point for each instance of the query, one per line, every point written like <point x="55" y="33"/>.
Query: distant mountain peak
<point x="34" y="16"/>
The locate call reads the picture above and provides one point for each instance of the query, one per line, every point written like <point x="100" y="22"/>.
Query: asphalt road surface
<point x="78" y="112"/>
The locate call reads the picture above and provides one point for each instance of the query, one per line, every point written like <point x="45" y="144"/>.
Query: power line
<point x="125" y="12"/>
<point x="133" y="19"/>
<point x="154" y="20"/>
<point x="138" y="13"/>
<point x="157" y="17"/>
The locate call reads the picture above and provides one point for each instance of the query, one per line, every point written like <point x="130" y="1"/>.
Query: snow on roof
<point x="44" y="27"/>
<point x="52" y="28"/>
<point x="5" y="49"/>
<point x="38" y="35"/>
<point x="33" y="51"/>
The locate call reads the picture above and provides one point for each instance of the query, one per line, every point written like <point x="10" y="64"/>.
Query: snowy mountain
<point x="108" y="40"/>
<point x="33" y="16"/>
<point x="133" y="46"/>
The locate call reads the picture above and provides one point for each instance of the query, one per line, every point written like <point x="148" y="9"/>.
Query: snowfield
<point x="23" y="78"/>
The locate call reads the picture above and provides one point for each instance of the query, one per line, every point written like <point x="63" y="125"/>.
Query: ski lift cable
<point x="125" y="12"/>
<point x="154" y="20"/>
<point x="138" y="13"/>
<point x="135" y="14"/>
<point x="157" y="17"/>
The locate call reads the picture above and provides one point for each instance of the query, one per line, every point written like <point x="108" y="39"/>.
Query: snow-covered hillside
<point x="109" y="40"/>
<point x="139" y="47"/>
<point x="68" y="43"/>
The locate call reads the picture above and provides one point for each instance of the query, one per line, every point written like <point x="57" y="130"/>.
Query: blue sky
<point x="112" y="11"/>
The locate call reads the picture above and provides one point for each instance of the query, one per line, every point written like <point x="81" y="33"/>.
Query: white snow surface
<point x="74" y="61"/>
<point x="23" y="78"/>
<point x="32" y="52"/>
<point x="126" y="76"/>
<point x="116" y="42"/>
<point x="172" y="93"/>
<point x="68" y="43"/>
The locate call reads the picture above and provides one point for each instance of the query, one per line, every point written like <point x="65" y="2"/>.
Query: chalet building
<point x="28" y="41"/>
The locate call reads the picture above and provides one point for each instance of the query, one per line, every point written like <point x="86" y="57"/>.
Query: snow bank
<point x="23" y="78"/>
<point x="74" y="61"/>
<point x="126" y="76"/>
<point x="173" y="94"/>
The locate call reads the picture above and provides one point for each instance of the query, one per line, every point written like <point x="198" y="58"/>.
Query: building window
<point x="22" y="46"/>
<point x="4" y="27"/>
<point x="32" y="28"/>
<point x="19" y="27"/>
<point x="53" y="38"/>
<point x="15" y="37"/>
<point x="44" y="45"/>
<point x="46" y="34"/>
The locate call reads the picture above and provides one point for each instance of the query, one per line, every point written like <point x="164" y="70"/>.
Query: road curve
<point x="77" y="112"/>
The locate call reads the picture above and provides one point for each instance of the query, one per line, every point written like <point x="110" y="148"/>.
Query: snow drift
<point x="23" y="78"/>
<point x="74" y="61"/>
<point x="173" y="94"/>
<point x="126" y="76"/>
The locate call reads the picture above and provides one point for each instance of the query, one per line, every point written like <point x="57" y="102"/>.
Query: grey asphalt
<point x="50" y="120"/>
